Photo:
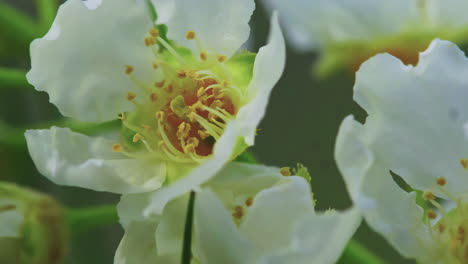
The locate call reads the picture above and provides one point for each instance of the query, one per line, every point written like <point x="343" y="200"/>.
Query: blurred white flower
<point x="246" y="214"/>
<point x="188" y="104"/>
<point x="32" y="229"/>
<point x="348" y="32"/>
<point x="416" y="129"/>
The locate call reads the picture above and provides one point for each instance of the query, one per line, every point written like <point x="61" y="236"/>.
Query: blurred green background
<point x="301" y="124"/>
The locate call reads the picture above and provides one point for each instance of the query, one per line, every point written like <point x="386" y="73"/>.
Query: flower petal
<point x="170" y="232"/>
<point x="73" y="159"/>
<point x="447" y="14"/>
<point x="320" y="238"/>
<point x="80" y="62"/>
<point x="387" y="209"/>
<point x="321" y="22"/>
<point x="417" y="115"/>
<point x="10" y="220"/>
<point x="216" y="234"/>
<point x="221" y="26"/>
<point x="130" y="208"/>
<point x="284" y="203"/>
<point x="268" y="68"/>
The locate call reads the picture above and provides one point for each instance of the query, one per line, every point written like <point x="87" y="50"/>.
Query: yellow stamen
<point x="131" y="96"/>
<point x="221" y="58"/>
<point x="129" y="69"/>
<point x="190" y="35"/>
<point x="203" y="56"/>
<point x="137" y="137"/>
<point x="117" y="147"/>
<point x="285" y="171"/>
<point x="154" y="32"/>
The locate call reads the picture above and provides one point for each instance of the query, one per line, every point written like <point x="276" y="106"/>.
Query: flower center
<point x="450" y="231"/>
<point x="184" y="113"/>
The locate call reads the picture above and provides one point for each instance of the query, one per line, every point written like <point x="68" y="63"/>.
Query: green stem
<point x="13" y="78"/>
<point x="355" y="253"/>
<point x="85" y="219"/>
<point x="46" y="10"/>
<point x="16" y="26"/>
<point x="187" y="244"/>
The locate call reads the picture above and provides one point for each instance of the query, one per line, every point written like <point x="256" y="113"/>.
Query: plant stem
<point x="356" y="253"/>
<point x="13" y="78"/>
<point x="84" y="219"/>
<point x="187" y="246"/>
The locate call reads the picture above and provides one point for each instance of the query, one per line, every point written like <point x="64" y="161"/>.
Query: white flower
<point x="416" y="128"/>
<point x="188" y="104"/>
<point x="31" y="227"/>
<point x="348" y="32"/>
<point x="246" y="214"/>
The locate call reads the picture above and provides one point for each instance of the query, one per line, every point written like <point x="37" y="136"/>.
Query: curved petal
<point x="139" y="246"/>
<point x="447" y="14"/>
<point x="80" y="62"/>
<point x="216" y="234"/>
<point x="388" y="209"/>
<point x="73" y="159"/>
<point x="221" y="26"/>
<point x="321" y="238"/>
<point x="130" y="208"/>
<point x="268" y="68"/>
<point x="320" y="22"/>
<point x="417" y="115"/>
<point x="10" y="220"/>
<point x="170" y="232"/>
<point x="278" y="208"/>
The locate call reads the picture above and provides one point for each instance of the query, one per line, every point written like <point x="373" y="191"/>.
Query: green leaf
<point x="46" y="10"/>
<point x="13" y="78"/>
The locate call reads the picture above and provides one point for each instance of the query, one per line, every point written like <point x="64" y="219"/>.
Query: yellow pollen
<point x="191" y="146"/>
<point x="183" y="130"/>
<point x="160" y="115"/>
<point x="192" y="116"/>
<point x="431" y="214"/>
<point x="441" y="181"/>
<point x="464" y="163"/>
<point x="428" y="195"/>
<point x="149" y="41"/>
<point x="153" y="97"/>
<point x="190" y="35"/>
<point x="117" y="148"/>
<point x="203" y="56"/>
<point x="238" y="212"/>
<point x="155" y="65"/>
<point x="200" y="91"/>
<point x="154" y="32"/>
<point x="137" y="137"/>
<point x="131" y="96"/>
<point x="170" y="88"/>
<point x="249" y="201"/>
<point x="129" y="69"/>
<point x="203" y="134"/>
<point x="193" y="141"/>
<point x="221" y="58"/>
<point x="160" y="84"/>
<point x="285" y="171"/>
<point x="182" y="74"/>
<point x="216" y="103"/>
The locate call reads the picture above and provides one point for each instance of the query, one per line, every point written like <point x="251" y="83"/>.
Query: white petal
<point x="417" y="115"/>
<point x="139" y="246"/>
<point x="221" y="26"/>
<point x="216" y="234"/>
<point x="268" y="68"/>
<point x="447" y="14"/>
<point x="221" y="155"/>
<point x="170" y="232"/>
<point x="320" y="22"/>
<point x="278" y="208"/>
<point x="10" y="220"/>
<point x="73" y="159"/>
<point x="388" y="209"/>
<point x="131" y="206"/>
<point x="321" y="238"/>
<point x="80" y="62"/>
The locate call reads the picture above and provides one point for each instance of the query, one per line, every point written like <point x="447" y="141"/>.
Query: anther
<point x="216" y="103"/>
<point x="131" y="96"/>
<point x="153" y="97"/>
<point x="428" y="195"/>
<point x="154" y="32"/>
<point x="441" y="181"/>
<point x="170" y="88"/>
<point x="200" y="91"/>
<point x="285" y="171"/>
<point x="464" y="163"/>
<point x="149" y="41"/>
<point x="193" y="141"/>
<point x="461" y="230"/>
<point x="155" y="64"/>
<point x="221" y="58"/>
<point x="431" y="214"/>
<point x="441" y="228"/>
<point x="160" y="84"/>
<point x="238" y="212"/>
<point x="129" y="69"/>
<point x="160" y="115"/>
<point x="137" y="137"/>
<point x="249" y="201"/>
<point x="117" y="148"/>
<point x="203" y="56"/>
<point x="203" y="134"/>
<point x="183" y="130"/>
<point x="182" y="74"/>
<point x="190" y="35"/>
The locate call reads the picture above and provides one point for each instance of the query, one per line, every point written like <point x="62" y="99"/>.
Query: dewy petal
<point x="417" y="115"/>
<point x="387" y="209"/>
<point x="139" y="245"/>
<point x="80" y="62"/>
<point x="221" y="26"/>
<point x="216" y="233"/>
<point x="320" y="238"/>
<point x="73" y="159"/>
<point x="11" y="220"/>
<point x="268" y="67"/>
<point x="277" y="208"/>
<point x="320" y="22"/>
